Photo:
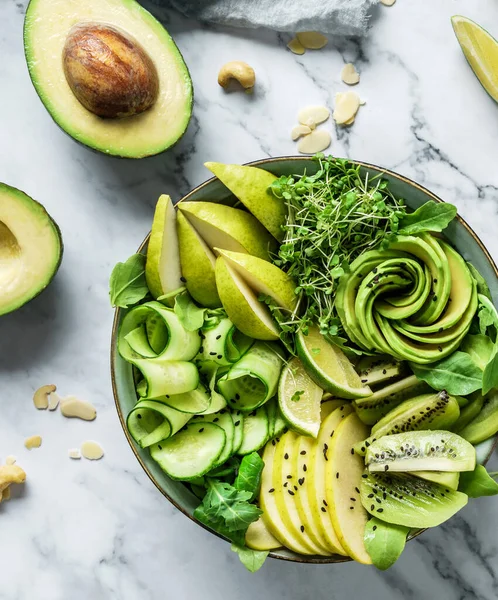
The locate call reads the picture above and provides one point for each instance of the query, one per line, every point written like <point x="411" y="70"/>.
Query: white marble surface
<point x="83" y="530"/>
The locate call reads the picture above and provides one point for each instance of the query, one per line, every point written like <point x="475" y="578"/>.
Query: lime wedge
<point x="329" y="367"/>
<point x="300" y="398"/>
<point x="481" y="52"/>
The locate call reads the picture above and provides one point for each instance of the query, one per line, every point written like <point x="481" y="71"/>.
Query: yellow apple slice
<point x="259" y="537"/>
<point x="343" y="477"/>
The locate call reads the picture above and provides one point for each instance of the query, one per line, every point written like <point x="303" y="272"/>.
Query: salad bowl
<point x="459" y="234"/>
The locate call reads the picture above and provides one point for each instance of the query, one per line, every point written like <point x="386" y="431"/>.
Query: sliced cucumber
<point x="211" y="372"/>
<point x="192" y="452"/>
<point x="223" y="344"/>
<point x="150" y="422"/>
<point x="237" y="344"/>
<point x="166" y="377"/>
<point x="154" y="331"/>
<point x="276" y="423"/>
<point x="224" y="420"/>
<point x="253" y="380"/>
<point x="255" y="431"/>
<point x="195" y="402"/>
<point x="238" y="422"/>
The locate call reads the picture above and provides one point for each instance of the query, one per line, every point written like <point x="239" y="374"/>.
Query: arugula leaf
<point x="252" y="560"/>
<point x="190" y="315"/>
<point x="232" y="505"/>
<point x="168" y="299"/>
<point x="479" y="347"/>
<point x="226" y="470"/>
<point x="431" y="216"/>
<point x="384" y="542"/>
<point x="457" y="374"/>
<point x="127" y="284"/>
<point x="482" y="286"/>
<point x="478" y="483"/>
<point x="218" y="524"/>
<point x="488" y="317"/>
<point x="249" y="476"/>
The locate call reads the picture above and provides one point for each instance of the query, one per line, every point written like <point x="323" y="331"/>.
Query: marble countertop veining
<point x="82" y="530"/>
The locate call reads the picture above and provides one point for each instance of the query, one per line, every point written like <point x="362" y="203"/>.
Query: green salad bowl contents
<point x="304" y="359"/>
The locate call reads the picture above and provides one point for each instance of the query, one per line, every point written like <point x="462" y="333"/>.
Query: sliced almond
<point x="295" y="46"/>
<point x="312" y="40"/>
<point x="349" y="74"/>
<point x="387" y="2"/>
<point x="10" y="460"/>
<point x="300" y="130"/>
<point x="74" y="453"/>
<point x="53" y="401"/>
<point x="313" y="114"/>
<point x="73" y="407"/>
<point x="346" y="107"/>
<point x="34" y="441"/>
<point x="316" y="141"/>
<point x="350" y="121"/>
<point x="362" y="102"/>
<point x="40" y="397"/>
<point x="91" y="450"/>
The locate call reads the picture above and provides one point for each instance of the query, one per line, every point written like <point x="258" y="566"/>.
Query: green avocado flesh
<point x="414" y="300"/>
<point x="30" y="248"/>
<point x="46" y="28"/>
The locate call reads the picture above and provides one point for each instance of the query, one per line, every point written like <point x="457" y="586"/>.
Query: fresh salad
<point x="316" y="362"/>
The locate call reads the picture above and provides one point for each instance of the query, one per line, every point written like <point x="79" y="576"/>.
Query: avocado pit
<point x="109" y="72"/>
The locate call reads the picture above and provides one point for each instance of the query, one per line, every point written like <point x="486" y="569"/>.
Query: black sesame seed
<point x="357" y="490"/>
<point x="351" y="508"/>
<point x="271" y="490"/>
<point x="220" y="356"/>
<point x="286" y="483"/>
<point x="301" y="481"/>
<point x="289" y="476"/>
<point x="370" y="496"/>
<point x="364" y="476"/>
<point x="218" y="337"/>
<point x="380" y="510"/>
<point x="302" y="528"/>
<point x="305" y="468"/>
<point x="139" y="416"/>
<point x="183" y="280"/>
<point x="372" y="506"/>
<point x="201" y="429"/>
<point x="303" y="452"/>
<point x="286" y="456"/>
<point x="352" y="450"/>
<point x="291" y="492"/>
<point x="236" y="424"/>
<point x="201" y="349"/>
<point x="237" y="396"/>
<point x="374" y="527"/>
<point x="212" y="354"/>
<point x="337" y="475"/>
<point x="323" y="509"/>
<point x="160" y="447"/>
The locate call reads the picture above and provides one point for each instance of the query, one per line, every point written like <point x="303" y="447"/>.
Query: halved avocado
<point x="47" y="27"/>
<point x="30" y="248"/>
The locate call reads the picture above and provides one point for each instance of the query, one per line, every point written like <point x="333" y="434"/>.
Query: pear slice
<point x="250" y="185"/>
<point x="163" y="270"/>
<point x="241" y="304"/>
<point x="314" y="470"/>
<point x="197" y="262"/>
<point x="259" y="537"/>
<point x="343" y="479"/>
<point x="263" y="277"/>
<point x="229" y="228"/>
<point x="268" y="504"/>
<point x="286" y="488"/>
<point x="310" y="520"/>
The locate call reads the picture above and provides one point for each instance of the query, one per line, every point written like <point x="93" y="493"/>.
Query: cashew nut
<point x="11" y="474"/>
<point x="91" y="450"/>
<point x="34" y="441"/>
<point x="40" y="397"/>
<point x="73" y="407"/>
<point x="238" y="70"/>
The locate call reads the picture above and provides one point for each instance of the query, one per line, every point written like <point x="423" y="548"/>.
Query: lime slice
<point x="299" y="398"/>
<point x="329" y="367"/>
<point x="481" y="52"/>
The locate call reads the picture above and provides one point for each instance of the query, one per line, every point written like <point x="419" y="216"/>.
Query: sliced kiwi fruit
<point x="450" y="480"/>
<point x="378" y="369"/>
<point x="374" y="407"/>
<point x="428" y="411"/>
<point x="421" y="451"/>
<point x="485" y="424"/>
<point x="468" y="413"/>
<point x="409" y="501"/>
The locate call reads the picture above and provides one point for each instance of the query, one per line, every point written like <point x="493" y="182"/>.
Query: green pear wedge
<point x="230" y="228"/>
<point x="250" y="185"/>
<point x="242" y="306"/>
<point x="263" y="277"/>
<point x="197" y="263"/>
<point x="163" y="269"/>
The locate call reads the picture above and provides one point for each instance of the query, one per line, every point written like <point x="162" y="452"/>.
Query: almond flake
<point x="316" y="141"/>
<point x="74" y="453"/>
<point x="10" y="460"/>
<point x="313" y="115"/>
<point x="300" y="130"/>
<point x="387" y="2"/>
<point x="91" y="450"/>
<point x="296" y="47"/>
<point x="346" y="107"/>
<point x="349" y="74"/>
<point x="53" y="401"/>
<point x="312" y="40"/>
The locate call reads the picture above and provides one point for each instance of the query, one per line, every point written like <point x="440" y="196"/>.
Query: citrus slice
<point x="480" y="50"/>
<point x="329" y="367"/>
<point x="299" y="398"/>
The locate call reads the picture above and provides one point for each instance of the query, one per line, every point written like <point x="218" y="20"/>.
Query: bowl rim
<point x="257" y="163"/>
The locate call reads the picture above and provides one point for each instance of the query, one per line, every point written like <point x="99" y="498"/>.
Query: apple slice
<point x="315" y="472"/>
<point x="343" y="478"/>
<point x="259" y="537"/>
<point x="243" y="308"/>
<point x="229" y="228"/>
<point x="250" y="185"/>
<point x="268" y="504"/>
<point x="263" y="277"/>
<point x="162" y="269"/>
<point x="197" y="262"/>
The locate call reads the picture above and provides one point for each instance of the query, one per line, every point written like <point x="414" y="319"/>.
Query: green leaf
<point x="479" y="347"/>
<point x="490" y="375"/>
<point x="296" y="396"/>
<point x="457" y="374"/>
<point x="482" y="286"/>
<point x="249" y="476"/>
<point x="431" y="216"/>
<point x="477" y="483"/>
<point x="226" y="502"/>
<point x="252" y="560"/>
<point x="127" y="284"/>
<point x="218" y="524"/>
<point x="384" y="542"/>
<point x="488" y="317"/>
<point x="190" y="315"/>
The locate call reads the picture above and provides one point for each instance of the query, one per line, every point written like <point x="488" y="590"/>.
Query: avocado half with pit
<point x="109" y="74"/>
<point x="30" y="248"/>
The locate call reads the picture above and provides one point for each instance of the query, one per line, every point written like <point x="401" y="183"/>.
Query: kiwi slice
<point x="409" y="501"/>
<point x="421" y="451"/>
<point x="428" y="411"/>
<point x="450" y="480"/>
<point x="376" y="370"/>
<point x="485" y="424"/>
<point x="374" y="407"/>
